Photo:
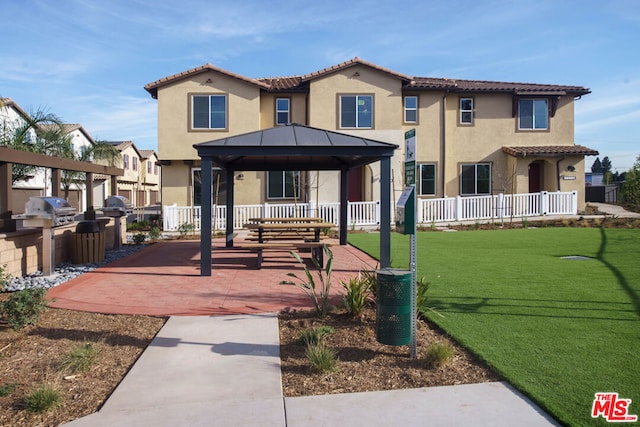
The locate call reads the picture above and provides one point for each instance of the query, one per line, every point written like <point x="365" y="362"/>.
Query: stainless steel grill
<point x="47" y="211"/>
<point x="117" y="206"/>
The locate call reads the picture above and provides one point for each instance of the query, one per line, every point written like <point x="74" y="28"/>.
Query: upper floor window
<point x="533" y="114"/>
<point x="475" y="179"/>
<point x="134" y="163"/>
<point x="209" y="112"/>
<point x="148" y="166"/>
<point x="356" y="111"/>
<point x="427" y="177"/>
<point x="411" y="109"/>
<point x="283" y="111"/>
<point x="125" y="161"/>
<point x="466" y="111"/>
<point x="155" y="169"/>
<point x="283" y="184"/>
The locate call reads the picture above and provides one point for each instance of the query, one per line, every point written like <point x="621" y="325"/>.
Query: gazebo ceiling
<point x="296" y="147"/>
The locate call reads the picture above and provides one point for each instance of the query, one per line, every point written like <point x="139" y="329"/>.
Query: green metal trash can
<point x="393" y="312"/>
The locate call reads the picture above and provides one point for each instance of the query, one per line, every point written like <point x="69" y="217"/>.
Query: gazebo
<point x="290" y="147"/>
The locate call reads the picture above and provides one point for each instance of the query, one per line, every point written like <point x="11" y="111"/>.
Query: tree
<point x="606" y="165"/>
<point x="101" y="151"/>
<point x="631" y="186"/>
<point x="597" y="166"/>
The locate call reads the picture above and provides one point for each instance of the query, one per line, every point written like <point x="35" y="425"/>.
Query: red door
<point x="535" y="174"/>
<point x="354" y="192"/>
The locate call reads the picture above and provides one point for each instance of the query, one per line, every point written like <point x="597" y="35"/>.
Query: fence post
<point x="377" y="218"/>
<point x="574" y="202"/>
<point x="458" y="208"/>
<point x="265" y="212"/>
<point x="544" y="202"/>
<point x="500" y="206"/>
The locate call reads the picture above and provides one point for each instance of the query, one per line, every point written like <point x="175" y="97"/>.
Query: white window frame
<point x="421" y="191"/>
<point x="534" y="101"/>
<point x="134" y="163"/>
<point x="210" y="125"/>
<point x="125" y="161"/>
<point x="280" y="111"/>
<point x="357" y="99"/>
<point x="410" y="109"/>
<point x="284" y="186"/>
<point x="475" y="192"/>
<point x="467" y="111"/>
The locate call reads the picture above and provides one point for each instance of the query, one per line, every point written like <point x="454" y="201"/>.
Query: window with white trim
<point x="427" y="179"/>
<point x="475" y="179"/>
<point x="411" y="109"/>
<point x="466" y="111"/>
<point x="283" y="184"/>
<point x="134" y="163"/>
<point x="356" y="111"/>
<point x="283" y="111"/>
<point x="533" y="114"/>
<point x="209" y="112"/>
<point x="125" y="161"/>
<point x="148" y="166"/>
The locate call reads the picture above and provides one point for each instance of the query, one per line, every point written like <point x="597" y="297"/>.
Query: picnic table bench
<point x="286" y="234"/>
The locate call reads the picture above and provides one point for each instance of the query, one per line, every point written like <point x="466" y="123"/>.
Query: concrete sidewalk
<point x="225" y="371"/>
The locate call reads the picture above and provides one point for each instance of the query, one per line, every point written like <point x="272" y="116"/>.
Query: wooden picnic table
<point x="286" y="233"/>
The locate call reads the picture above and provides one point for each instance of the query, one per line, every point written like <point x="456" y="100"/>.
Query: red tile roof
<point x="549" y="151"/>
<point x="300" y="83"/>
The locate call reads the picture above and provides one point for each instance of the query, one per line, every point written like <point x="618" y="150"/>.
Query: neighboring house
<point x="141" y="181"/>
<point x="473" y="137"/>
<point x="12" y="117"/>
<point x="150" y="178"/>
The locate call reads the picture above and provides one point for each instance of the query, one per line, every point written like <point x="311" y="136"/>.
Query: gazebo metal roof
<point x="293" y="147"/>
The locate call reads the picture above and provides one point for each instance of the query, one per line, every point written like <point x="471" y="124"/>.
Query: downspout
<point x="443" y="139"/>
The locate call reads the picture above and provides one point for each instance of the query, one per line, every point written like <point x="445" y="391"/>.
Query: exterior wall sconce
<point x="240" y="177"/>
<point x="571" y="168"/>
<point x="209" y="81"/>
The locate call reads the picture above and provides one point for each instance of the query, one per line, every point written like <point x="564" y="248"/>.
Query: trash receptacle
<point x="89" y="242"/>
<point x="393" y="312"/>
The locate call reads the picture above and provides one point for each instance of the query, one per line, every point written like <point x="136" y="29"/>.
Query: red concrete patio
<point x="164" y="279"/>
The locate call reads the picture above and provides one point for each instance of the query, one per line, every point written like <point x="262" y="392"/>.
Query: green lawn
<point x="558" y="330"/>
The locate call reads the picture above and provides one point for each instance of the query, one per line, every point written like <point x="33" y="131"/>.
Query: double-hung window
<point x="148" y="166"/>
<point x="356" y="111"/>
<point x="427" y="177"/>
<point x="134" y="161"/>
<point x="475" y="179"/>
<point x="209" y="112"/>
<point x="533" y="114"/>
<point x="466" y="111"/>
<point x="283" y="184"/>
<point x="411" y="109"/>
<point x="283" y="111"/>
<point x="125" y="161"/>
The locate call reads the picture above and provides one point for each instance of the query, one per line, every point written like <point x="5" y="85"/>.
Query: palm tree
<point x="101" y="152"/>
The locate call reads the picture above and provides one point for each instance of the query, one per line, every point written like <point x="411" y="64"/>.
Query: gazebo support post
<point x="205" y="230"/>
<point x="344" y="194"/>
<point x="385" y="212"/>
<point x="230" y="197"/>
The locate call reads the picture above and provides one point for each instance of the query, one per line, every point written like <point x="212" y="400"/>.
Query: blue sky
<point x="88" y="60"/>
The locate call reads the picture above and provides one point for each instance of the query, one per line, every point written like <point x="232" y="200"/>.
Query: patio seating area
<point x="164" y="280"/>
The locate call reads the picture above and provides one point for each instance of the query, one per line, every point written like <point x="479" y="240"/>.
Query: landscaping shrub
<point x="23" y="307"/>
<point x="322" y="358"/>
<point x="313" y="336"/>
<point x="139" y="238"/>
<point x="154" y="233"/>
<point x="437" y="355"/>
<point x="357" y="293"/>
<point x="319" y="293"/>
<point x="4" y="277"/>
<point x="42" y="399"/>
<point x="186" y="228"/>
<point x="80" y="358"/>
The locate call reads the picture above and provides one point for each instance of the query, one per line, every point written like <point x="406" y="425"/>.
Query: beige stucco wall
<point x="297" y="104"/>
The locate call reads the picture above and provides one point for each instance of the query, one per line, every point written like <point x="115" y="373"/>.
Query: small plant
<point x="186" y="228"/>
<point x="525" y="222"/>
<point x="42" y="399"/>
<point x="319" y="293"/>
<point x="154" y="233"/>
<point x="313" y="336"/>
<point x="23" y="307"/>
<point x="6" y="390"/>
<point x="5" y="277"/>
<point x="139" y="238"/>
<point x="357" y="292"/>
<point x="322" y="358"/>
<point x="80" y="358"/>
<point x="369" y="276"/>
<point x="437" y="355"/>
<point x="422" y="288"/>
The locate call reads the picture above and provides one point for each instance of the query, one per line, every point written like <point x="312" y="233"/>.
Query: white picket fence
<point x="429" y="211"/>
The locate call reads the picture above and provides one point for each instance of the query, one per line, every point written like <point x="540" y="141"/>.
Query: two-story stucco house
<point x="141" y="181"/>
<point x="472" y="137"/>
